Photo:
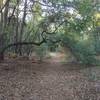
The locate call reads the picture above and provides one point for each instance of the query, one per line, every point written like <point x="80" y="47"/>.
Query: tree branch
<point x="22" y="43"/>
<point x="56" y="28"/>
<point x="4" y="5"/>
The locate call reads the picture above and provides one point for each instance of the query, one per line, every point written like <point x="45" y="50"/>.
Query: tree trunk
<point x="3" y="25"/>
<point x="1" y="56"/>
<point x="17" y="28"/>
<point x="6" y="15"/>
<point x="22" y="26"/>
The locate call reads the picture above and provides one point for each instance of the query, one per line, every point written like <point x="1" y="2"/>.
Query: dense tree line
<point x="74" y="24"/>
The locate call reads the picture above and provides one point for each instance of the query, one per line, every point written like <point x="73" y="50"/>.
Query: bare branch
<point x="4" y="5"/>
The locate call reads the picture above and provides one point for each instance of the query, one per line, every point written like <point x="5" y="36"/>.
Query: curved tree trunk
<point x="16" y="44"/>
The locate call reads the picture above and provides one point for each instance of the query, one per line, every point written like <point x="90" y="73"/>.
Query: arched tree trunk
<point x="16" y="44"/>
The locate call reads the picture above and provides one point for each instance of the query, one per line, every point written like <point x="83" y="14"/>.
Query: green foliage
<point x="77" y="29"/>
<point x="83" y="50"/>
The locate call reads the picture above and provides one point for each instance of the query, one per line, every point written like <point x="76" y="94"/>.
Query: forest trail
<point x="49" y="80"/>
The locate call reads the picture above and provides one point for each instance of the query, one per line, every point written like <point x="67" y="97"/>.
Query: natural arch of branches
<point x="74" y="23"/>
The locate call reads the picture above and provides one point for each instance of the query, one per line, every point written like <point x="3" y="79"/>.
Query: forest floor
<point x="48" y="80"/>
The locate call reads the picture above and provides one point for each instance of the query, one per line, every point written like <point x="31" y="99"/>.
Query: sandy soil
<point x="50" y="80"/>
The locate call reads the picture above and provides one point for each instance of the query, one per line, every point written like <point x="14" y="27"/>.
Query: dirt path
<point x="24" y="80"/>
